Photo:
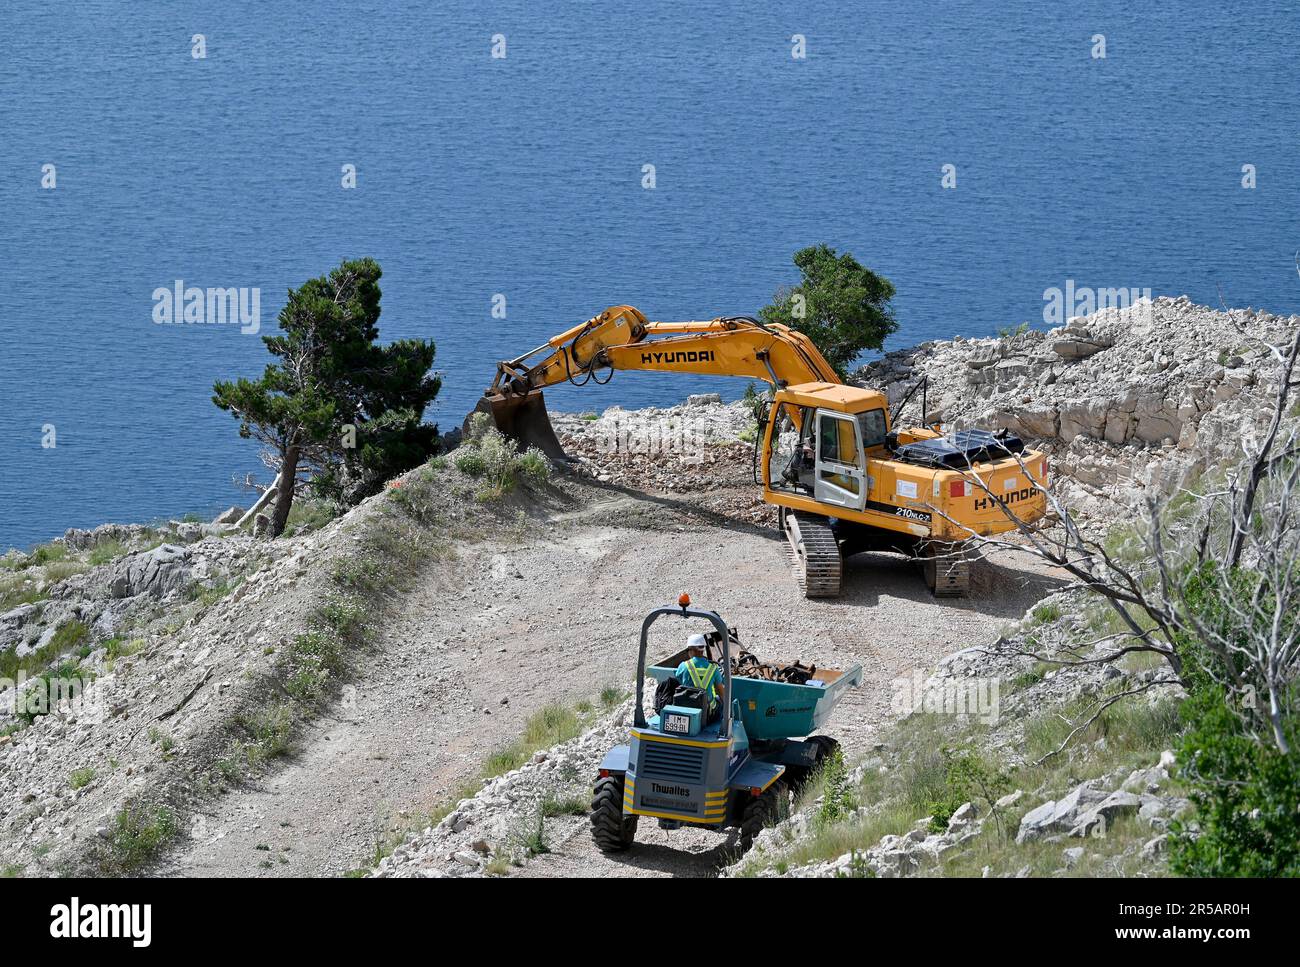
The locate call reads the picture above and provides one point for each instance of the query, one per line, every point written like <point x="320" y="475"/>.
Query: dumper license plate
<point x="677" y="723"/>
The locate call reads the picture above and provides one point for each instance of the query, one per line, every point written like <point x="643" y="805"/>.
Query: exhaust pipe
<point x="522" y="417"/>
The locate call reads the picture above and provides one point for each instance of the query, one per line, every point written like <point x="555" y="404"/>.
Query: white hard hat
<point x="695" y="641"/>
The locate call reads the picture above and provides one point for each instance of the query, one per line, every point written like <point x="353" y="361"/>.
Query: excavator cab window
<point x="873" y="426"/>
<point x="791" y="460"/>
<point x="836" y="441"/>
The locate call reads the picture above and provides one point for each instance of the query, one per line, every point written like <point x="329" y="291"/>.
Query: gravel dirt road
<point x="485" y="640"/>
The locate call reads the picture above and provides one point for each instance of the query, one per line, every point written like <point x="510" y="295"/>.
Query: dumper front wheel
<point x="823" y="748"/>
<point x="760" y="812"/>
<point x="610" y="829"/>
<point x="826" y="748"/>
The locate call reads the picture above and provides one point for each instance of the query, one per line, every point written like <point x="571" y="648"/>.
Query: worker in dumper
<point x="698" y="672"/>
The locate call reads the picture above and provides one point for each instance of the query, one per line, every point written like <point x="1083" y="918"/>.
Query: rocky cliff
<point x="1129" y="403"/>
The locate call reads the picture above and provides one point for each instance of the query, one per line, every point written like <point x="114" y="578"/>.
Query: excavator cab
<point x="820" y="451"/>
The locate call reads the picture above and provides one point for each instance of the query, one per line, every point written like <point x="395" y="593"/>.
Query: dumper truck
<point x="734" y="772"/>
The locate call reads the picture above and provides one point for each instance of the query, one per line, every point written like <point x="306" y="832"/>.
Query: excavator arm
<point x="621" y="338"/>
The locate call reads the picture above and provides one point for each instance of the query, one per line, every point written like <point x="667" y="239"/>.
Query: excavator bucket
<point x="522" y="418"/>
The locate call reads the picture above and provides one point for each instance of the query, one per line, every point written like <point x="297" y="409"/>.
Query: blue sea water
<point x="523" y="176"/>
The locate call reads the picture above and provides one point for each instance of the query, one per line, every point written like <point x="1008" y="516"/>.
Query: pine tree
<point x="841" y="305"/>
<point x="336" y="406"/>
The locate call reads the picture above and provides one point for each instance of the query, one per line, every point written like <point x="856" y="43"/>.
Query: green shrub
<point x="50" y="688"/>
<point x="346" y="617"/>
<point x="81" y="778"/>
<point x="106" y="551"/>
<point x="269" y="732"/>
<point x="311" y="514"/>
<point x="19" y="592"/>
<point x="837" y="796"/>
<point x="364" y="575"/>
<point x="70" y="635"/>
<point x="533" y="838"/>
<point x="46" y="554"/>
<point x="967" y="778"/>
<point x="1031" y="676"/>
<point x="160" y="739"/>
<point x="574" y="805"/>
<point x="1245" y="794"/>
<point x="314" y="660"/>
<point x="1046" y="613"/>
<point x="1130" y="727"/>
<point x="116" y="648"/>
<point x="488" y="456"/>
<point x="62" y="570"/>
<point x="470" y="462"/>
<point x="533" y="466"/>
<point x="11" y="663"/>
<point x="546" y="727"/>
<point x="137" y="835"/>
<point x="207" y="596"/>
<point x="1244" y="788"/>
<point x="611" y="695"/>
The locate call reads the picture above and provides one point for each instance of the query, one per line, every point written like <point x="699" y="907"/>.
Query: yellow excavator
<point x="843" y="479"/>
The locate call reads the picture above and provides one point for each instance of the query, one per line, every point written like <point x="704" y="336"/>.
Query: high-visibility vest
<point x="705" y="677"/>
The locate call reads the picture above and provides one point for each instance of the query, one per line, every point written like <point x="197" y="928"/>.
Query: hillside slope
<point x="304" y="706"/>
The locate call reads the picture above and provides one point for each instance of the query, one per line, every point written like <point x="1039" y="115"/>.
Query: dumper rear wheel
<point x="610" y="829"/>
<point x="799" y="776"/>
<point x="826" y="747"/>
<point x="762" y="811"/>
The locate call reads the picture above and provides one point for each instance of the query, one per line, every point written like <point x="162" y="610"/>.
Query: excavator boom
<point x="621" y="338"/>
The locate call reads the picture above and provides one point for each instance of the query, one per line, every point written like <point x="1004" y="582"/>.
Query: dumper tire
<point x="826" y="747"/>
<point x="610" y="829"/>
<point x="799" y="776"/>
<point x="761" y="812"/>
